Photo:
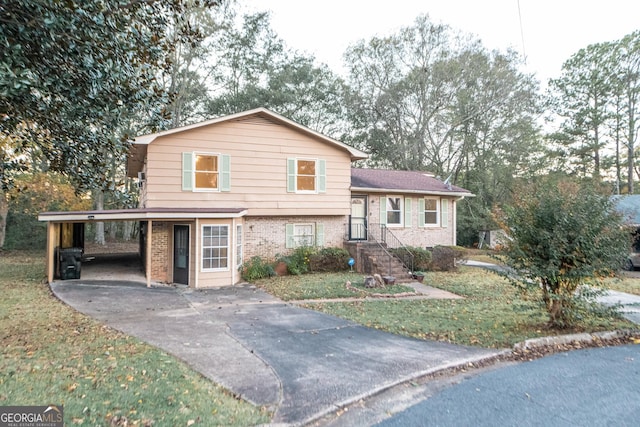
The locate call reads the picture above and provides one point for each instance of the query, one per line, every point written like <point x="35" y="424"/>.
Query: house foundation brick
<point x="266" y="236"/>
<point x="160" y="252"/>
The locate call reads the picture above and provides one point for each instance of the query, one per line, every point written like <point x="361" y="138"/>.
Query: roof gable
<point x="262" y="113"/>
<point x="383" y="180"/>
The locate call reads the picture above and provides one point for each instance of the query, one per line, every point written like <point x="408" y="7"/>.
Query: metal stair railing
<point x="375" y="235"/>
<point x="400" y="250"/>
<point x="392" y="246"/>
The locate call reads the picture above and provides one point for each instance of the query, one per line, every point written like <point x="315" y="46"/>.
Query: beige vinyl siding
<point x="258" y="151"/>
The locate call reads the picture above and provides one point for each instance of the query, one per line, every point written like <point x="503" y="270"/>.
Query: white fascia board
<point x="400" y="191"/>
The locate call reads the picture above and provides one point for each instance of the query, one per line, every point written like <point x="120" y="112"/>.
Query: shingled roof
<point x="383" y="180"/>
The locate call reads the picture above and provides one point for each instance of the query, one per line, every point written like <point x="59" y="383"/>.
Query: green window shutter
<point x="187" y="171"/>
<point x="383" y="210"/>
<point x="225" y="172"/>
<point x="291" y="175"/>
<point x="420" y="212"/>
<point x="289" y="243"/>
<point x="407" y="212"/>
<point x="444" y="206"/>
<point x="319" y="234"/>
<point x="322" y="176"/>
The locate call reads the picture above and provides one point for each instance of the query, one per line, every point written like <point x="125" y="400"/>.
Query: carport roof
<point x="142" y="214"/>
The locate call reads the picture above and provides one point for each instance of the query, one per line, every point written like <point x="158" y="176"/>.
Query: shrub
<point x="561" y="235"/>
<point x="298" y="261"/>
<point x="421" y="257"/>
<point x="444" y="258"/>
<point x="257" y="268"/>
<point x="330" y="260"/>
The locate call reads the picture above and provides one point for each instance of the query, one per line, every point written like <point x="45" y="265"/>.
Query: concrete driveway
<point x="300" y="363"/>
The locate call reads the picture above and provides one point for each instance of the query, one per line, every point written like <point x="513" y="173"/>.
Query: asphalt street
<point x="592" y="387"/>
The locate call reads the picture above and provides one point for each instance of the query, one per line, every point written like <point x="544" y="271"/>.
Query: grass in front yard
<point x="626" y="283"/>
<point x="323" y="286"/>
<point x="52" y="354"/>
<point x="493" y="314"/>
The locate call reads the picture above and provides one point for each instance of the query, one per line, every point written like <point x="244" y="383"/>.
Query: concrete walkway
<point x="629" y="305"/>
<point x="300" y="363"/>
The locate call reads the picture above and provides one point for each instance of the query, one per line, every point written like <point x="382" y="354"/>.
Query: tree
<point x="562" y="235"/>
<point x="72" y="72"/>
<point x="428" y="98"/>
<point x="582" y="96"/>
<point x="254" y="68"/>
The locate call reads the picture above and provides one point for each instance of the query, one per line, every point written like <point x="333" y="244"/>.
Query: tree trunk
<point x="99" y="199"/>
<point x="4" y="211"/>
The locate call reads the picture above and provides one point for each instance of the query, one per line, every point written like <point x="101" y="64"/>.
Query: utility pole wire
<point x="524" y="51"/>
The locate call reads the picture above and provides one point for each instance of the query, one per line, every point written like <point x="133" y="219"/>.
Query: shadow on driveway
<point x="299" y="363"/>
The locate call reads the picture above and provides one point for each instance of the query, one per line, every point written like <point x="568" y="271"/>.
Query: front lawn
<point x="323" y="286"/>
<point x="52" y="354"/>
<point x="492" y="314"/>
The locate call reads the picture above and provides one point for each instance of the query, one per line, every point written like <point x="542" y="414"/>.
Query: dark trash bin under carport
<point x="70" y="263"/>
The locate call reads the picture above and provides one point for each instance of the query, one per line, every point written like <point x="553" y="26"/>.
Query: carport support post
<point x="148" y="263"/>
<point x="51" y="249"/>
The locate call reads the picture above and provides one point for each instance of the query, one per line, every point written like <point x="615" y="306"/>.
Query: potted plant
<point x="418" y="275"/>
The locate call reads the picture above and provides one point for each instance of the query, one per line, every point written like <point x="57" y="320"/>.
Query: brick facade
<point x="160" y="252"/>
<point x="414" y="235"/>
<point x="266" y="236"/>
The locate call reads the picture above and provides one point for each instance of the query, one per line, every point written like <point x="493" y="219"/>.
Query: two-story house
<point x="215" y="193"/>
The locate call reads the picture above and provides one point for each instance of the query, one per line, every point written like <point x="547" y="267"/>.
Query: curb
<point x="573" y="338"/>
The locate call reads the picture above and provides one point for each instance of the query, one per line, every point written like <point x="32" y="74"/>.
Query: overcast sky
<point x="551" y="30"/>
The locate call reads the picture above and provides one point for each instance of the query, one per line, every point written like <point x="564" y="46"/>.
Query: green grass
<point x="625" y="283"/>
<point x="323" y="286"/>
<point x="493" y="313"/>
<point x="52" y="354"/>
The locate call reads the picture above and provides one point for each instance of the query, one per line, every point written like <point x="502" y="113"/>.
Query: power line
<point x="524" y="52"/>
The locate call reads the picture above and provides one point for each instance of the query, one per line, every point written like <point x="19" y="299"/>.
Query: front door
<point x="358" y="228"/>
<point x="181" y="254"/>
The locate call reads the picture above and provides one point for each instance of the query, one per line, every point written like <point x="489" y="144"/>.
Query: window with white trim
<point x="306" y="175"/>
<point x="206" y="172"/>
<point x="303" y="235"/>
<point x="215" y="247"/>
<point x="239" y="253"/>
<point x="431" y="212"/>
<point x="394" y="210"/>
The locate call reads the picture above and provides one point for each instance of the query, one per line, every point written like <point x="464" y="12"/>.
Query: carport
<point x="65" y="230"/>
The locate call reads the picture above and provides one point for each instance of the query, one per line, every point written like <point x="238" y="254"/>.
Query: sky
<point x="546" y="32"/>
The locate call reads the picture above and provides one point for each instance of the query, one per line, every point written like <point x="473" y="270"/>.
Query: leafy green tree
<point x="560" y="236"/>
<point x="254" y="68"/>
<point x="72" y="73"/>
<point x="428" y="98"/>
<point x="582" y="96"/>
<point x="31" y="194"/>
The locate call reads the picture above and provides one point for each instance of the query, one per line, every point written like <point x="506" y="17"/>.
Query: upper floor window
<point x="306" y="175"/>
<point x="206" y="172"/>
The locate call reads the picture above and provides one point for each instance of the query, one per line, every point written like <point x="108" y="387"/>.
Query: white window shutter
<point x="289" y="243"/>
<point x="421" y="212"/>
<point x="291" y="175"/>
<point x="319" y="234"/>
<point x="187" y="171"/>
<point x="225" y="172"/>
<point x="444" y="203"/>
<point x="322" y="176"/>
<point x="407" y="212"/>
<point x="383" y="210"/>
